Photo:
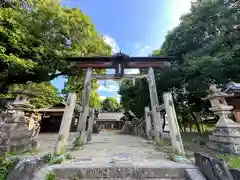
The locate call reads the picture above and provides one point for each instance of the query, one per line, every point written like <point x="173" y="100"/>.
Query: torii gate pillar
<point x="62" y="140"/>
<point x="175" y="134"/>
<point x="154" y="104"/>
<point x="81" y="139"/>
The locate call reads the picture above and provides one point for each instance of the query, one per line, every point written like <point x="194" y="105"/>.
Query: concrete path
<point x="118" y="146"/>
<point x="113" y="152"/>
<point x="108" y="145"/>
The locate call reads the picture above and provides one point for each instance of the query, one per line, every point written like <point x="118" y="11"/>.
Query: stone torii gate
<point x="119" y="62"/>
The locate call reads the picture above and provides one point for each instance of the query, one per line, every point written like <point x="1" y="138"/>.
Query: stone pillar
<point x="90" y="125"/>
<point x="66" y="123"/>
<point x="80" y="140"/>
<point x="154" y="104"/>
<point x="148" y="123"/>
<point x="175" y="134"/>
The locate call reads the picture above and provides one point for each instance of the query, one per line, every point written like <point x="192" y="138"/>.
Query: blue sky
<point x="137" y="27"/>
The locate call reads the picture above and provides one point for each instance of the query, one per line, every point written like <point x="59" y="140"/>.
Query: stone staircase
<point x="121" y="170"/>
<point x="34" y="168"/>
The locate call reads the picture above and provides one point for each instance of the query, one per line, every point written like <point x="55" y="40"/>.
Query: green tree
<point x="134" y="97"/>
<point x="110" y="104"/>
<point x="95" y="101"/>
<point x="37" y="36"/>
<point x="206" y="48"/>
<point x="76" y="84"/>
<point x="45" y="93"/>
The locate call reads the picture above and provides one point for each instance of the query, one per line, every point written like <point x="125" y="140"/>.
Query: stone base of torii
<point x="84" y="137"/>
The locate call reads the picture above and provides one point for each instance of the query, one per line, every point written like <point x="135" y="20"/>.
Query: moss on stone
<point x="79" y="142"/>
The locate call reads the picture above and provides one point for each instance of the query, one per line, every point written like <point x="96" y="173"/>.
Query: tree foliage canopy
<point x="206" y="48"/>
<point x="134" y="97"/>
<point x="45" y="93"/>
<point x="37" y="36"/>
<point x="76" y="84"/>
<point x="110" y="104"/>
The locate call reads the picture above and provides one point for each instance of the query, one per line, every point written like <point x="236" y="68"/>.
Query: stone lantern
<point x="226" y="136"/>
<point x="17" y="132"/>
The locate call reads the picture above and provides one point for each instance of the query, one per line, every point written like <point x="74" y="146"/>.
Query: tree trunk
<point x="181" y="126"/>
<point x="3" y="87"/>
<point x="164" y="123"/>
<point x="196" y="122"/>
<point x="184" y="129"/>
<point x="198" y="117"/>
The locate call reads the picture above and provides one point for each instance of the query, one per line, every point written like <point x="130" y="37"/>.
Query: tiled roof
<point x="232" y="86"/>
<point x="58" y="109"/>
<point x="110" y="115"/>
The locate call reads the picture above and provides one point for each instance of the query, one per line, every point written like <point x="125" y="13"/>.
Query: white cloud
<point x="109" y="85"/>
<point x="177" y="9"/>
<point x="143" y="50"/>
<point x="110" y="88"/>
<point x="111" y="42"/>
<point x="118" y="98"/>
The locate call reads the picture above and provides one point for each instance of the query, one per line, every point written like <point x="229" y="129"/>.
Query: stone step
<point x="130" y="179"/>
<point x="34" y="168"/>
<point x="122" y="170"/>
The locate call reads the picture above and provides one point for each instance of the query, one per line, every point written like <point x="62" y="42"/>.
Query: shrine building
<point x="52" y="118"/>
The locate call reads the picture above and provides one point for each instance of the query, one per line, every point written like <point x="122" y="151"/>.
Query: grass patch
<point x="50" y="176"/>
<point x="28" y="152"/>
<point x="196" y="142"/>
<point x="32" y="152"/>
<point x="6" y="165"/>
<point x="233" y="161"/>
<point x="56" y="159"/>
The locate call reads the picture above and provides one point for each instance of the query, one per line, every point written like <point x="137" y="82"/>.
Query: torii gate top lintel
<point x="119" y="62"/>
<point x="126" y="62"/>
